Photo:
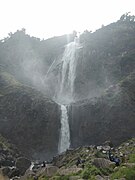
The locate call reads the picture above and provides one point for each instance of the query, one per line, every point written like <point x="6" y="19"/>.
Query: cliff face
<point x="104" y="86"/>
<point x="103" y="91"/>
<point x="109" y="117"/>
<point x="28" y="119"/>
<point x="107" y="56"/>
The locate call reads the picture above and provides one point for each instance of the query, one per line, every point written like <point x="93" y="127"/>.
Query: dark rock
<point x="7" y="163"/>
<point x="14" y="172"/>
<point x="22" y="164"/>
<point x="5" y="171"/>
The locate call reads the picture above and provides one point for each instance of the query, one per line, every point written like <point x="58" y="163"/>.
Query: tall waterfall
<point x="64" y="141"/>
<point x="68" y="73"/>
<point x="66" y="91"/>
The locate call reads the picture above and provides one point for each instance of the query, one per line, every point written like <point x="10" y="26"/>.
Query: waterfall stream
<point x="68" y="74"/>
<point x="64" y="140"/>
<point x="66" y="92"/>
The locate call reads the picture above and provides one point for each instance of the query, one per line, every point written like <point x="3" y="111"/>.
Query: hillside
<point x="91" y="163"/>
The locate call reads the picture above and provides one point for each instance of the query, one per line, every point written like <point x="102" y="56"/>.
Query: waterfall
<point x="64" y="141"/>
<point x="66" y="91"/>
<point x="68" y="74"/>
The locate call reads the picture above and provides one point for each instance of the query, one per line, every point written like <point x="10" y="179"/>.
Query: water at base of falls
<point x="64" y="141"/>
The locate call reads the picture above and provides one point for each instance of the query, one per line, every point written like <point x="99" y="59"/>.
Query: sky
<point x="48" y="18"/>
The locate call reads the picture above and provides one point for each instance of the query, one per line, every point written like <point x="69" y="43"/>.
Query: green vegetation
<point x="9" y="147"/>
<point x="132" y="158"/>
<point x="124" y="172"/>
<point x="4" y="143"/>
<point x="90" y="172"/>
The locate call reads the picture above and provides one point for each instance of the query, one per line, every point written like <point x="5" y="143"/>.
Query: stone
<point x="22" y="164"/>
<point x="106" y="148"/>
<point x="74" y="177"/>
<point x="130" y="165"/>
<point x="102" y="163"/>
<point x="28" y="175"/>
<point x="4" y="171"/>
<point x="48" y="171"/>
<point x="66" y="171"/>
<point x="98" y="177"/>
<point x="13" y="173"/>
<point x="127" y="144"/>
<point x="7" y="163"/>
<point x="99" y="148"/>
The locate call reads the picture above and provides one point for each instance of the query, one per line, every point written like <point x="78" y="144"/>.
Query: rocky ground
<point x="12" y="162"/>
<point x="91" y="162"/>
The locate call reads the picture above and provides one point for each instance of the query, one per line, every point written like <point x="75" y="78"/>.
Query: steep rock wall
<point x="28" y="119"/>
<point x="110" y="117"/>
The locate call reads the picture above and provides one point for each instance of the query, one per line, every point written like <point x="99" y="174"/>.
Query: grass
<point x="131" y="158"/>
<point x="90" y="172"/>
<point x="124" y="172"/>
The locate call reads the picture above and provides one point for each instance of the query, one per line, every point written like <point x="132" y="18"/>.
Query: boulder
<point x="7" y="162"/>
<point x="48" y="171"/>
<point x="75" y="178"/>
<point x="22" y="164"/>
<point x="106" y="148"/>
<point x="102" y="163"/>
<point x="67" y="171"/>
<point x="14" y="173"/>
<point x="98" y="177"/>
<point x="28" y="175"/>
<point x="4" y="171"/>
<point x="130" y="165"/>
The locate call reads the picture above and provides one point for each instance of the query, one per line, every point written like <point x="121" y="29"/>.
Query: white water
<point x="66" y="91"/>
<point x="64" y="141"/>
<point x="68" y="74"/>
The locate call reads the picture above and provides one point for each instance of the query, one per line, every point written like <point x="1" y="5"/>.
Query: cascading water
<point x="64" y="141"/>
<point x="68" y="73"/>
<point x="66" y="91"/>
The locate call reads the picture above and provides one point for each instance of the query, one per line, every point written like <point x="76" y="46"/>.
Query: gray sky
<point x="47" y="18"/>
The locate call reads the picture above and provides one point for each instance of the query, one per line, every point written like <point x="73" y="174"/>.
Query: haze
<point x="47" y="18"/>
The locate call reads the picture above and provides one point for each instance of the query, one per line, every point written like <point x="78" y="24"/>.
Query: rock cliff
<point x="110" y="116"/>
<point x="28" y="119"/>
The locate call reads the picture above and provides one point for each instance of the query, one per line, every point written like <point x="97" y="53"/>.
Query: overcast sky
<point x="47" y="18"/>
